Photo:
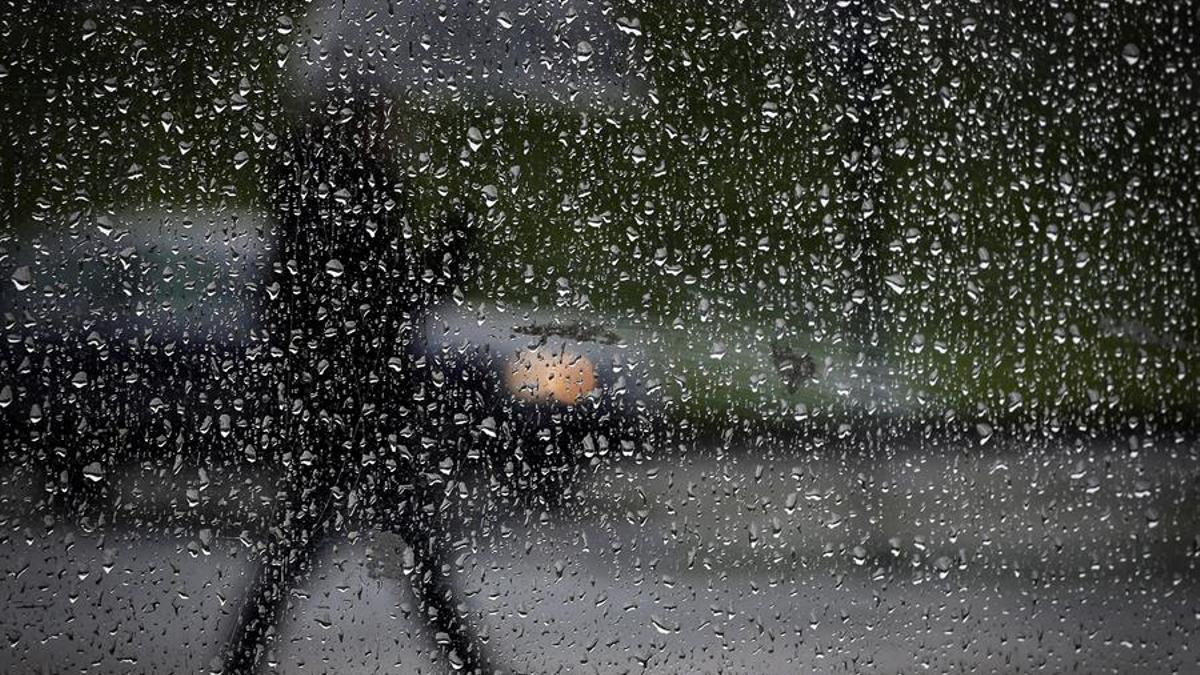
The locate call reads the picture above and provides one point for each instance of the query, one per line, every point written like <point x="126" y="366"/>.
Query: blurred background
<point x="880" y="321"/>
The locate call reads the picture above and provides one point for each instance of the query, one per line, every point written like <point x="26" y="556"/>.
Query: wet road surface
<point x="774" y="557"/>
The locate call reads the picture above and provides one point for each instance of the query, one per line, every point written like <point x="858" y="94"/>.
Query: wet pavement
<point x="775" y="557"/>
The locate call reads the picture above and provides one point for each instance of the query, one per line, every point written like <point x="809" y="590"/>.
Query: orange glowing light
<point x="541" y="376"/>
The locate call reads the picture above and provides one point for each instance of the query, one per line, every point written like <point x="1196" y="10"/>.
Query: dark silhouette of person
<point x="352" y="277"/>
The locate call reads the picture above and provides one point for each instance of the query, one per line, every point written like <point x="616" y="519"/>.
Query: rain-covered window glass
<point x="599" y="336"/>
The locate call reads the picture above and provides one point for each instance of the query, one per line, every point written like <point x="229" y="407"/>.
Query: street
<point x="776" y="556"/>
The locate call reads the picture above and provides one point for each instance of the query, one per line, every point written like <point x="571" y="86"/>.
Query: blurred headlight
<point x="545" y="376"/>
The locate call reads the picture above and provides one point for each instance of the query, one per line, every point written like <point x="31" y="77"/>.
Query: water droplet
<point x="22" y="277"/>
<point x="488" y="426"/>
<point x="896" y="283"/>
<point x="1131" y="53"/>
<point x="718" y="351"/>
<point x="1067" y="182"/>
<point x="334" y="268"/>
<point x="1152" y="518"/>
<point x="490" y="195"/>
<point x="917" y="344"/>
<point x="629" y="26"/>
<point x="474" y="139"/>
<point x="583" y="51"/>
<point x="94" y="472"/>
<point x="943" y="565"/>
<point x="661" y="626"/>
<point x="860" y="555"/>
<point x="984" y="430"/>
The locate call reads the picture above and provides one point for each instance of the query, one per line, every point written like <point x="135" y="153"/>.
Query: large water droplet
<point x="629" y="26"/>
<point x="22" y="277"/>
<point x="1131" y="54"/>
<point x="474" y="138"/>
<point x="583" y="51"/>
<point x="490" y="195"/>
<point x="94" y="472"/>
<point x="896" y="283"/>
<point x="718" y="351"/>
<point x="984" y="431"/>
